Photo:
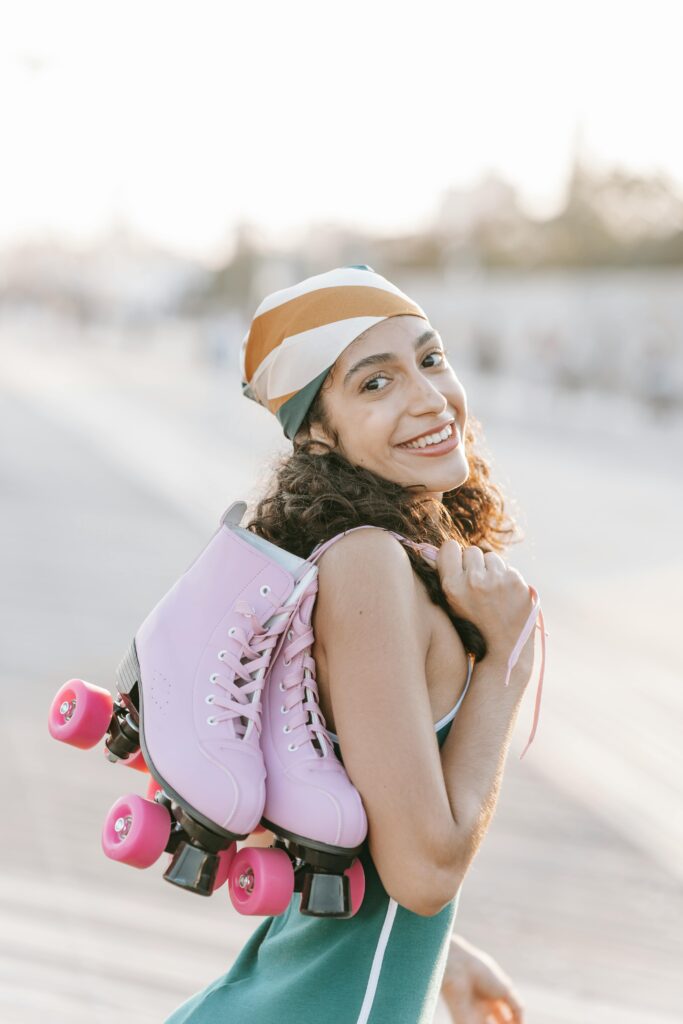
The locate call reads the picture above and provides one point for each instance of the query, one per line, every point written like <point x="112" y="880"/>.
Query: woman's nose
<point x="425" y="396"/>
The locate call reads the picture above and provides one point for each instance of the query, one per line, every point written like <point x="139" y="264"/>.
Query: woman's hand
<point x="262" y="838"/>
<point x="481" y="587"/>
<point x="476" y="990"/>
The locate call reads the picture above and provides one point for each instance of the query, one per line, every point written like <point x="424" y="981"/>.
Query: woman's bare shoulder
<point x="372" y="541"/>
<point x="372" y="560"/>
<point x="366" y="574"/>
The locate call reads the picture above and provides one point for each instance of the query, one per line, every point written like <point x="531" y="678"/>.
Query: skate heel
<point x="200" y="858"/>
<point x="123" y="735"/>
<point x="331" y="881"/>
<point x="128" y="672"/>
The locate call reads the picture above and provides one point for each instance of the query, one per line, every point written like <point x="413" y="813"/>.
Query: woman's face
<point x="391" y="385"/>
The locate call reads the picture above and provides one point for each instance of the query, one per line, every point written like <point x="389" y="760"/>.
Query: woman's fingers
<point x="453" y="558"/>
<point x="450" y="569"/>
<point x="505" y="1009"/>
<point x="449" y="556"/>
<point x="499" y="1012"/>
<point x="493" y="561"/>
<point x="473" y="559"/>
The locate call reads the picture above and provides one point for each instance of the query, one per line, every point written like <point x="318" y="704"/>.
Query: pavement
<point x="115" y="466"/>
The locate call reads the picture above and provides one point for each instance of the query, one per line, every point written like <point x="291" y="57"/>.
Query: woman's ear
<point x="317" y="433"/>
<point x="313" y="430"/>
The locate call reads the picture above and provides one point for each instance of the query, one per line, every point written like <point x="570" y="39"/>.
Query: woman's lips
<point x="434" y="449"/>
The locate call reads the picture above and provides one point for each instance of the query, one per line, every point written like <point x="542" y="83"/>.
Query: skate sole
<point x="312" y="844"/>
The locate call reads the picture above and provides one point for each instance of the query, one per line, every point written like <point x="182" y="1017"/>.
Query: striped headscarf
<point x="297" y="333"/>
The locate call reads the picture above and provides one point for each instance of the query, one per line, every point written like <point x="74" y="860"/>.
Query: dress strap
<point x="429" y="551"/>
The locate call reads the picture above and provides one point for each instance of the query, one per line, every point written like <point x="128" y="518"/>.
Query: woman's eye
<point x="382" y="376"/>
<point x="377" y="377"/>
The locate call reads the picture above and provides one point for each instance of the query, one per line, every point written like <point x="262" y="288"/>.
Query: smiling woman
<point x="362" y="385"/>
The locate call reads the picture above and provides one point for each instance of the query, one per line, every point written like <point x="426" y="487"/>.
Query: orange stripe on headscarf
<point x="316" y="309"/>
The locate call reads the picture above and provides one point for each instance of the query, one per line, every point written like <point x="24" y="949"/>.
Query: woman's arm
<point x="472" y="757"/>
<point x="366" y="620"/>
<point x="264" y="838"/>
<point x="473" y="754"/>
<point x="367" y="627"/>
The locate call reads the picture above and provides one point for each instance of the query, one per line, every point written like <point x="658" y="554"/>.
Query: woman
<point x="362" y="385"/>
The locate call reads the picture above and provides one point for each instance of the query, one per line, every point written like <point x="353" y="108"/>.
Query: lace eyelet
<point x="287" y="662"/>
<point x="265" y="589"/>
<point x="290" y="635"/>
<point x="281" y="687"/>
<point x="210" y="698"/>
<point x="213" y="677"/>
<point x="292" y="746"/>
<point x="232" y="631"/>
<point x="211" y="721"/>
<point x="221" y="655"/>
<point x="286" y="729"/>
<point x="284" y="710"/>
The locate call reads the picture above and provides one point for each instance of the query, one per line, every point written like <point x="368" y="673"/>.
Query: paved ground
<point x="112" y="476"/>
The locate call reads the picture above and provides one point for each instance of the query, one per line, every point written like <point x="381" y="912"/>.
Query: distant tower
<point x="579" y="172"/>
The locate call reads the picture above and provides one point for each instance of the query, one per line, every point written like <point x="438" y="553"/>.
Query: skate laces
<point x="536" y="612"/>
<point x="299" y="685"/>
<point x="239" y="695"/>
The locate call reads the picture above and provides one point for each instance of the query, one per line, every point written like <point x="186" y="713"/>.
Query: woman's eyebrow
<point x="385" y="357"/>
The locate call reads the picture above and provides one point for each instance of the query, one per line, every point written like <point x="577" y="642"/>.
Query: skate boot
<point x="311" y="805"/>
<point x="189" y="701"/>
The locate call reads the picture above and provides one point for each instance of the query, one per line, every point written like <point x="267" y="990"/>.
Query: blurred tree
<point x="232" y="285"/>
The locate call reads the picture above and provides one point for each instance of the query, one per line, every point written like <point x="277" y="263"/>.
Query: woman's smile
<point x="431" y="450"/>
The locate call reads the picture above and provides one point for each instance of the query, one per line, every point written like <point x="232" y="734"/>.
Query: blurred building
<point x="590" y="298"/>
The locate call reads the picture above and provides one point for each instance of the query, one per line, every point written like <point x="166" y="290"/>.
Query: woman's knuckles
<point x="478" y="580"/>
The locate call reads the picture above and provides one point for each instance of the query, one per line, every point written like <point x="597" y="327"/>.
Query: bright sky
<point x="183" y="118"/>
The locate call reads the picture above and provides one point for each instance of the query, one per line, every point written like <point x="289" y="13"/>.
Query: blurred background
<point x="518" y="171"/>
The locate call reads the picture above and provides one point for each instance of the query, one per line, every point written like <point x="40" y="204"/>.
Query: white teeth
<point x="422" y="442"/>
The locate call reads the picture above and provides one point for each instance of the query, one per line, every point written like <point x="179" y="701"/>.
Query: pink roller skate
<point x="189" y="698"/>
<point x="311" y="805"/>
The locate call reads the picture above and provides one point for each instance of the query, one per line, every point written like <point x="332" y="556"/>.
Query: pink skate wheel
<point x="153" y="788"/>
<point x="136" y="831"/>
<point x="356" y="877"/>
<point x="225" y="858"/>
<point x="261" y="881"/>
<point x="137" y="762"/>
<point x="80" y="714"/>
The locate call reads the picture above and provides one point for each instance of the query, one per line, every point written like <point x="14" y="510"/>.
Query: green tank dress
<point x="382" y="966"/>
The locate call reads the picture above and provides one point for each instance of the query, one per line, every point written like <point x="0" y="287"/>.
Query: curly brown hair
<point x="314" y="495"/>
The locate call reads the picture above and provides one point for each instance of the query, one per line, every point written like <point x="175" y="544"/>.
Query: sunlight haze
<point x="182" y="121"/>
